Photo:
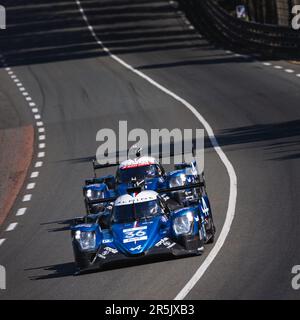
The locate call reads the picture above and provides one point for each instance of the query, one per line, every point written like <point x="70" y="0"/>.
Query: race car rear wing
<point x="97" y="166"/>
<point x="181" y="188"/>
<point x="139" y="189"/>
<point x="138" y="153"/>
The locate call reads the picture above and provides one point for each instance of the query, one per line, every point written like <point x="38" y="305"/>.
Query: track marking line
<point x="38" y="164"/>
<point x="34" y="174"/>
<point x="21" y="212"/>
<point x="278" y="67"/>
<point x="230" y="170"/>
<point x="27" y="197"/>
<point x="267" y="64"/>
<point x="42" y="145"/>
<point x="298" y="75"/>
<point x="12" y="226"/>
<point x="30" y="186"/>
<point x="42" y="137"/>
<point x="289" y="70"/>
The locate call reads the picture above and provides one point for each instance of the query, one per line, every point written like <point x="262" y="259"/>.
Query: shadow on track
<point x="278" y="138"/>
<point x="65" y="225"/>
<point x="56" y="271"/>
<point x="283" y="138"/>
<point x="69" y="268"/>
<point x="43" y="31"/>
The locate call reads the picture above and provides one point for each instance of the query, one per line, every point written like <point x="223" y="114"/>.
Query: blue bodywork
<point x="101" y="185"/>
<point x="124" y="241"/>
<point x="96" y="243"/>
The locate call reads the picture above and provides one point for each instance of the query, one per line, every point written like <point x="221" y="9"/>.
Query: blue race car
<point x="140" y="224"/>
<point x="141" y="171"/>
<point x="148" y="174"/>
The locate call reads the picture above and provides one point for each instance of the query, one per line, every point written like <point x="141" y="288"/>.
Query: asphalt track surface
<point x="254" y="111"/>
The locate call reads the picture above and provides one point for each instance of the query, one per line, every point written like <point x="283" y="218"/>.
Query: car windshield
<point x="140" y="172"/>
<point x="136" y="211"/>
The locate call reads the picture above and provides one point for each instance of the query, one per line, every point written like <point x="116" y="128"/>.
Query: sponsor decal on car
<point x="136" y="248"/>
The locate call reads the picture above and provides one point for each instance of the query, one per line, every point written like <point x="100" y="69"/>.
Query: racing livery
<point x="141" y="223"/>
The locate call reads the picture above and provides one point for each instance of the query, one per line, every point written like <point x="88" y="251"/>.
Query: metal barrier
<point x="219" y="25"/>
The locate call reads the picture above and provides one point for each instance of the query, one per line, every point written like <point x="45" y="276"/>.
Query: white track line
<point x="231" y="172"/>
<point x="41" y="129"/>
<point x="42" y="145"/>
<point x="30" y="186"/>
<point x="38" y="164"/>
<point x="27" y="197"/>
<point x="12" y="226"/>
<point x="34" y="174"/>
<point x="277" y="67"/>
<point x="42" y="137"/>
<point x="21" y="212"/>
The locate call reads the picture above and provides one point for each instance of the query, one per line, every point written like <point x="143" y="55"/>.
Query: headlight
<point x="94" y="194"/>
<point x="178" y="181"/>
<point x="87" y="240"/>
<point x="183" y="224"/>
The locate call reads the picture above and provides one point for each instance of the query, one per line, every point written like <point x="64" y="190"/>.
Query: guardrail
<point x="219" y="25"/>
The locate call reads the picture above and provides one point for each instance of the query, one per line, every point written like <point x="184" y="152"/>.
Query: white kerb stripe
<point x="12" y="226"/>
<point x="38" y="164"/>
<point x="21" y="212"/>
<point x="34" y="174"/>
<point x="27" y="197"/>
<point x="30" y="186"/>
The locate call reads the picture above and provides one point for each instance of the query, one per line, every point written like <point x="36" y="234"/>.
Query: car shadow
<point x="65" y="225"/>
<point x="54" y="271"/>
<point x="69" y="269"/>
